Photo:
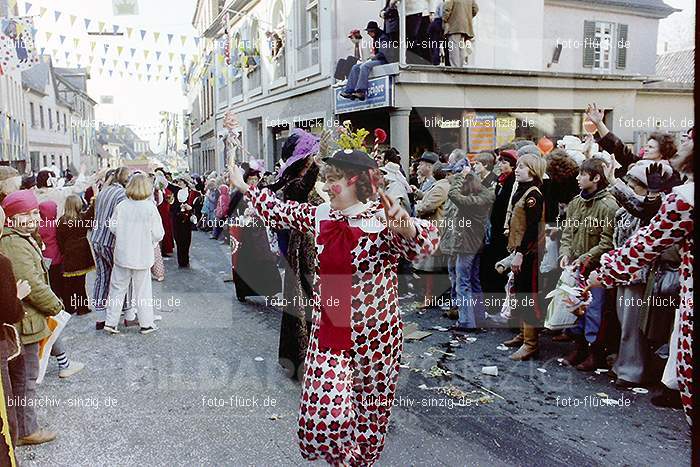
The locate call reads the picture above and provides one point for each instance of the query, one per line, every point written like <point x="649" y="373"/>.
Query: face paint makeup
<point x="336" y="189"/>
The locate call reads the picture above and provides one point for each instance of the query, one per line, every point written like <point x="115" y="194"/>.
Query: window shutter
<point x="622" y="30"/>
<point x="588" y="41"/>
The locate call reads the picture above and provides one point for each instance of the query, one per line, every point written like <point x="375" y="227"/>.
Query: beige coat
<point x="432" y="206"/>
<point x="458" y="16"/>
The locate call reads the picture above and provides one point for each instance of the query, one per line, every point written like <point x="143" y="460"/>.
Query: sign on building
<point x="379" y="94"/>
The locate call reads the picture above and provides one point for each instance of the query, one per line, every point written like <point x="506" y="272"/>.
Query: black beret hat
<point x="351" y="159"/>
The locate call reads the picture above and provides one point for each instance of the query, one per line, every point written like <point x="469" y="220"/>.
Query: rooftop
<point x="675" y="70"/>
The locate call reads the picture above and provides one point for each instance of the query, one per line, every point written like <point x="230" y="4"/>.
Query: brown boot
<point x="588" y="364"/>
<point x="579" y="353"/>
<point x="594" y="359"/>
<point x="530" y="344"/>
<point x="516" y="341"/>
<point x="40" y="436"/>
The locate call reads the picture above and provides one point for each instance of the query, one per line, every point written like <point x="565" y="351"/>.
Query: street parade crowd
<point x="579" y="241"/>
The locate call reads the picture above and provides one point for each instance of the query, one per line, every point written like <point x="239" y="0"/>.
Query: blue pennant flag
<point x="170" y="38"/>
<point x="27" y="7"/>
<point x="115" y="28"/>
<point x="62" y="39"/>
<point x="158" y="54"/>
<point x="87" y="23"/>
<point x="57" y="14"/>
<point x="143" y="34"/>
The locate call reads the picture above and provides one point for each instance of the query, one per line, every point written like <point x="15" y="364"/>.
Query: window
<point x="31" y="113"/>
<point x="41" y="115"/>
<point x="308" y="37"/>
<point x="65" y="127"/>
<point x="277" y="42"/>
<point x="600" y="44"/>
<point x="50" y="119"/>
<point x="255" y="76"/>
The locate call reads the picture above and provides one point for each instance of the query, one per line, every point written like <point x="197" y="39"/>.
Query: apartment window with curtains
<point x="308" y="34"/>
<point x="31" y="114"/>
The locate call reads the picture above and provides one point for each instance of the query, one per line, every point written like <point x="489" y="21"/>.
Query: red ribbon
<point x="336" y="271"/>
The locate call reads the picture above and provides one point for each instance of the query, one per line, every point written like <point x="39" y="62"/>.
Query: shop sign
<point x="379" y="94"/>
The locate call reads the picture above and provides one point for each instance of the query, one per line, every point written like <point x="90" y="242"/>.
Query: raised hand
<point x="397" y="219"/>
<point x="594" y="114"/>
<point x="656" y="180"/>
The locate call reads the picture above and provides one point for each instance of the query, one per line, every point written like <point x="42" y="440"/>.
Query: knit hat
<point x="535" y="163"/>
<point x="510" y="156"/>
<point x="529" y="149"/>
<point x="19" y="202"/>
<point x="7" y="172"/>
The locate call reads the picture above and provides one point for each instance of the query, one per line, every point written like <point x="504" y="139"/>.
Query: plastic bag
<point x="506" y="308"/>
<point x="563" y="310"/>
<point x="550" y="260"/>
<point x="56" y="325"/>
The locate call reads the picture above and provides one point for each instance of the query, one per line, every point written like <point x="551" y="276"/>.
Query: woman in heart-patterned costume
<point x="672" y="225"/>
<point x="352" y="363"/>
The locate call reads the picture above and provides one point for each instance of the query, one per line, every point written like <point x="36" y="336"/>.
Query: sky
<point x="678" y="30"/>
<point x="137" y="103"/>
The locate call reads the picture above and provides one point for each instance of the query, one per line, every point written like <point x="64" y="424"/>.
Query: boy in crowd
<point x="587" y="234"/>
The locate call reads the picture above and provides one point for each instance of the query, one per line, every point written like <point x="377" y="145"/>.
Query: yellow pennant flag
<point x="115" y="63"/>
<point x="171" y="55"/>
<point x="160" y="68"/>
<point x="93" y="44"/>
<point x="138" y="65"/>
<point x="42" y="11"/>
<point x="128" y="32"/>
<point x="140" y="75"/>
<point x="72" y="19"/>
<point x="76" y="42"/>
<point x="156" y="36"/>
<point x="183" y="39"/>
<point x="120" y="49"/>
<point x="101" y="26"/>
<point x="48" y="36"/>
<point x="121" y="74"/>
<point x="145" y="54"/>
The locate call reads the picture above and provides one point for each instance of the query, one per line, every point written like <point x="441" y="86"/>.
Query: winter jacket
<point x="431" y="206"/>
<point x="11" y="310"/>
<point x="47" y="230"/>
<point x="644" y="209"/>
<point x="397" y="186"/>
<point x="458" y="16"/>
<point x="27" y="264"/>
<point x="472" y="216"/>
<point x="589" y="227"/>
<point x="74" y="245"/>
<point x="137" y="228"/>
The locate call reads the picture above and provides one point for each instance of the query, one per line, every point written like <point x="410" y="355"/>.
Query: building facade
<point x="534" y="67"/>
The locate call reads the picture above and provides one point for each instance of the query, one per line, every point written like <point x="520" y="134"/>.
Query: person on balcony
<point x="458" y="16"/>
<point x="358" y="81"/>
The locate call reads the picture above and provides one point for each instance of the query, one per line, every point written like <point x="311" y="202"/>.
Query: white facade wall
<point x="13" y="146"/>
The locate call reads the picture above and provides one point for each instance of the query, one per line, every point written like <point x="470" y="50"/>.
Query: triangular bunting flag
<point x="67" y="54"/>
<point x="170" y="38"/>
<point x="77" y="57"/>
<point x="171" y="55"/>
<point x="120" y="49"/>
<point x="133" y="51"/>
<point x="160" y="68"/>
<point x="143" y="34"/>
<point x="72" y="19"/>
<point x="138" y="65"/>
<point x="110" y="73"/>
<point x="182" y="56"/>
<point x="103" y="61"/>
<point x="62" y="39"/>
<point x="101" y="26"/>
<point x="27" y="7"/>
<point x="92" y="45"/>
<point x="196" y="41"/>
<point x="126" y="64"/>
<point x="57" y="14"/>
<point x="76" y="42"/>
<point x="114" y="62"/>
<point x="183" y="39"/>
<point x="156" y="36"/>
<point x="145" y="54"/>
<point x="42" y="11"/>
<point x="148" y="66"/>
<point x="106" y="48"/>
<point x="128" y="32"/>
<point x="49" y="35"/>
<point x="170" y="70"/>
<point x="158" y="54"/>
<point x="42" y="51"/>
<point x="115" y="28"/>
<point x="87" y="23"/>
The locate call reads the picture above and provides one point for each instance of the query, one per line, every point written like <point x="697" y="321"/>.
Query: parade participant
<point x="137" y="228"/>
<point x="473" y="202"/>
<point x="167" y="245"/>
<point x="352" y="362"/>
<point x="48" y="187"/>
<point x="586" y="235"/>
<point x="297" y="181"/>
<point x="11" y="294"/>
<point x="71" y="234"/>
<point x="221" y="211"/>
<point x="526" y="239"/>
<point x="18" y="244"/>
<point x="181" y="213"/>
<point x="102" y="241"/>
<point x="673" y="225"/>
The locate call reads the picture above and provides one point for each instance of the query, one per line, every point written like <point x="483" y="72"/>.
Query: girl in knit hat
<point x="526" y="240"/>
<point x="352" y="363"/>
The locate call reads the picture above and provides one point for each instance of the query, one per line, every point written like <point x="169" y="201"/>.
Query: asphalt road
<point x="198" y="393"/>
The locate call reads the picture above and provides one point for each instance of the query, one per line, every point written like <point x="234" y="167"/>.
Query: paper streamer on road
<point x="56" y="324"/>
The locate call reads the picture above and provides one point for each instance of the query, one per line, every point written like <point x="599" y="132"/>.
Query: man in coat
<point x="458" y="16"/>
<point x="358" y="81"/>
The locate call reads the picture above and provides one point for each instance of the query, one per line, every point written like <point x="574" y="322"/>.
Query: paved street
<point x="196" y="393"/>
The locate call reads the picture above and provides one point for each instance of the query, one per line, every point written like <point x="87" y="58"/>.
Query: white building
<point x="535" y="66"/>
<point x="13" y="121"/>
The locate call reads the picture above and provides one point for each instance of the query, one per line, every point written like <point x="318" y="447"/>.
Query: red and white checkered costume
<point x="347" y="394"/>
